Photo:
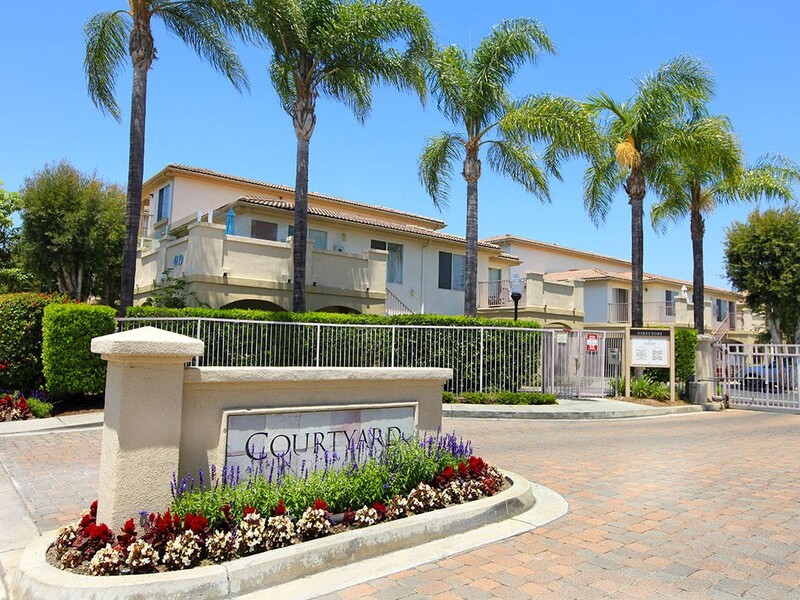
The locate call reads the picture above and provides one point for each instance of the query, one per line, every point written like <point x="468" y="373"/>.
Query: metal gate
<point x="586" y="363"/>
<point x="759" y="376"/>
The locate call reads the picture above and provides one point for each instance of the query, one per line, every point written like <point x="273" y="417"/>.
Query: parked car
<point x="779" y="374"/>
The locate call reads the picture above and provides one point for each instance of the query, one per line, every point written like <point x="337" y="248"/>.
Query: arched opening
<point x="254" y="304"/>
<point x="557" y="326"/>
<point x="342" y="310"/>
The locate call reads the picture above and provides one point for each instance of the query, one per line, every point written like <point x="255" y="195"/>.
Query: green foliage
<point x="69" y="365"/>
<point x="40" y="408"/>
<point x="321" y="317"/>
<point x="761" y="259"/>
<point x="685" y="348"/>
<point x="400" y="468"/>
<point x="9" y="204"/>
<point x="21" y="339"/>
<point x="518" y="398"/>
<point x="72" y="231"/>
<point x="170" y="292"/>
<point x="646" y="387"/>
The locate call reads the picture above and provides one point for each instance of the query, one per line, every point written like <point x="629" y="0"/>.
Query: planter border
<point x="37" y="579"/>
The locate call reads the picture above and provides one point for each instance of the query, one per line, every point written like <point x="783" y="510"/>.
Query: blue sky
<point x="196" y="117"/>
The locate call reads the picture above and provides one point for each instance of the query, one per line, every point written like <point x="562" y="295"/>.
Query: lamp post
<point x="516" y="293"/>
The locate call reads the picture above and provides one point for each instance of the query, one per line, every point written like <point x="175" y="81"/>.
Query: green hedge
<point x="416" y="346"/>
<point x="21" y="339"/>
<point x="321" y="317"/>
<point x="70" y="367"/>
<point x="514" y="398"/>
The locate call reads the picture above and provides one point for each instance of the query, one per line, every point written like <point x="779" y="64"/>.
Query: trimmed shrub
<point x="321" y="317"/>
<point x="69" y="365"/>
<point x="524" y="398"/>
<point x="21" y="339"/>
<point x="40" y="408"/>
<point x="685" y="346"/>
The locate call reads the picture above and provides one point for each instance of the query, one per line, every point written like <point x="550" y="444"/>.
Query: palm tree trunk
<point x="304" y="120"/>
<point x="698" y="292"/>
<point x="635" y="188"/>
<point x="142" y="51"/>
<point x="472" y="172"/>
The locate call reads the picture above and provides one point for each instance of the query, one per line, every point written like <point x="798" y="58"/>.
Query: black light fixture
<point x="516" y="293"/>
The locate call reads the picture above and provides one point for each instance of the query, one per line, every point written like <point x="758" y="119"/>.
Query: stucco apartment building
<point x="230" y="239"/>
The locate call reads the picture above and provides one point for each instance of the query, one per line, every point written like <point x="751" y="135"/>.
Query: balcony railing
<point x="497" y="294"/>
<point x="653" y="312"/>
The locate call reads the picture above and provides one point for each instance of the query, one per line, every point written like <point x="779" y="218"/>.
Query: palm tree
<point x="203" y="25"/>
<point x="471" y="91"/>
<point x="644" y="137"/>
<point x="712" y="172"/>
<point x="338" y="49"/>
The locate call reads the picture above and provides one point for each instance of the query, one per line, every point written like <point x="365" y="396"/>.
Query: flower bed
<point x="223" y="519"/>
<point x="16" y="407"/>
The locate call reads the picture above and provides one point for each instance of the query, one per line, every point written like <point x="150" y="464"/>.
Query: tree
<point x="711" y="172"/>
<point x="761" y="258"/>
<point x="72" y="231"/>
<point x="645" y="137"/>
<point x="203" y="25"/>
<point x="9" y="204"/>
<point x="338" y="49"/>
<point x="471" y="91"/>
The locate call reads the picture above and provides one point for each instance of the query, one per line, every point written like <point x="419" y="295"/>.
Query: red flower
<point x="93" y="509"/>
<point x="448" y="472"/>
<point x="128" y="535"/>
<point x="86" y="521"/>
<point x="348" y="517"/>
<point x="22" y="404"/>
<point x="100" y="533"/>
<point x="248" y="510"/>
<point x="3" y="366"/>
<point x="462" y="469"/>
<point x="489" y="486"/>
<point x="381" y="508"/>
<point x="476" y="466"/>
<point x="195" y="523"/>
<point x="279" y="510"/>
<point x="320" y="504"/>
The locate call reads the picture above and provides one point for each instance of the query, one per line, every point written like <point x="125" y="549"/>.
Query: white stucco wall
<point x="544" y="260"/>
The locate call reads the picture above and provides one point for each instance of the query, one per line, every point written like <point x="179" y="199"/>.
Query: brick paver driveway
<point x="698" y="506"/>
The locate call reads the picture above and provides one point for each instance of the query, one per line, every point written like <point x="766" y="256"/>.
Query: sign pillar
<point x="626" y="361"/>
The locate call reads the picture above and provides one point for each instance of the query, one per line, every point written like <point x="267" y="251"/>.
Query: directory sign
<point x="650" y="348"/>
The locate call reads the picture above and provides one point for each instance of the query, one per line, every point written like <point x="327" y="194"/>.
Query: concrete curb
<point x="94" y="419"/>
<point x="467" y="411"/>
<point x="520" y="508"/>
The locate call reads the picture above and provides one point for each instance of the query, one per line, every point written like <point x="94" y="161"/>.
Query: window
<point x="320" y="238"/>
<point x="164" y="203"/>
<point x="669" y="306"/>
<point x="264" y="230"/>
<point x="394" y="262"/>
<point x="721" y="309"/>
<point x="452" y="271"/>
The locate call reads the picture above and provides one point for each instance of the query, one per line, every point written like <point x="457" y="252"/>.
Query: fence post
<point x="480" y="382"/>
<point x="394" y="330"/>
<point x="319" y="333"/>
<point x="198" y="359"/>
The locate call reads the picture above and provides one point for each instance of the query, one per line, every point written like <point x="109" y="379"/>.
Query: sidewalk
<point x="590" y="408"/>
<point x="93" y="419"/>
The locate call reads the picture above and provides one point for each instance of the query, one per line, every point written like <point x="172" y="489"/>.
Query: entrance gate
<point x="586" y="363"/>
<point x="759" y="376"/>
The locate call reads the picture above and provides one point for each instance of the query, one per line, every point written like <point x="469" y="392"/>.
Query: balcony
<point x="497" y="294"/>
<point x="653" y="312"/>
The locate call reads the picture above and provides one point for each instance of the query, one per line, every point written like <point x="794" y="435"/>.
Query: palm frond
<point x="511" y="44"/>
<point x="680" y="88"/>
<point x="449" y="81"/>
<point x="600" y="180"/>
<point x="106" y="36"/>
<point x="773" y="177"/>
<point x="282" y="76"/>
<point x="436" y="164"/>
<point x="564" y="125"/>
<point x="516" y="161"/>
<point x="202" y="25"/>
<point x="351" y="87"/>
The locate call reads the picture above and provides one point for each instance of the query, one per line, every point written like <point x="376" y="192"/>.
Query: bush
<point x="69" y="365"/>
<point x="646" y="387"/>
<point x="39" y="408"/>
<point x="523" y="398"/>
<point x="21" y="339"/>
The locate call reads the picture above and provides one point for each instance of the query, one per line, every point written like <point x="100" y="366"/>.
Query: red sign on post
<point x="591" y="342"/>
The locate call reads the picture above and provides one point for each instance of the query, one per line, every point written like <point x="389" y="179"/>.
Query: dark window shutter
<point x="445" y="270"/>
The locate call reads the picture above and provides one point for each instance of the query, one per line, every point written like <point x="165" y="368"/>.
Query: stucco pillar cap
<point x="147" y="342"/>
